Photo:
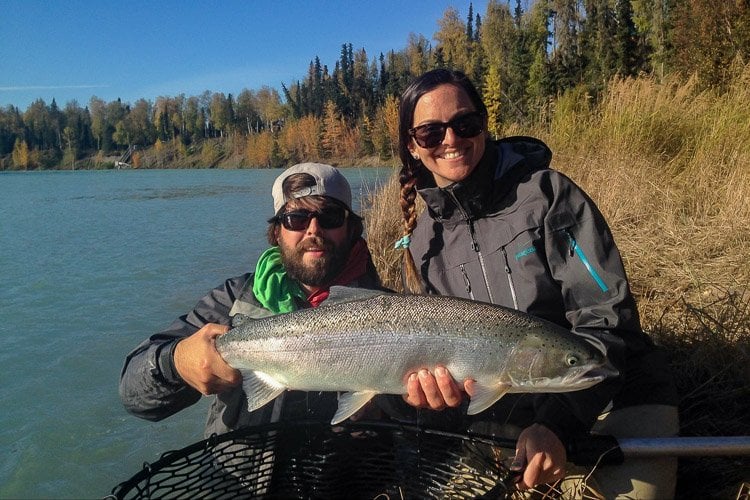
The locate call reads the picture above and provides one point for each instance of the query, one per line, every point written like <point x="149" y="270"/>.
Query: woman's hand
<point x="201" y="366"/>
<point x="438" y="391"/>
<point x="540" y="455"/>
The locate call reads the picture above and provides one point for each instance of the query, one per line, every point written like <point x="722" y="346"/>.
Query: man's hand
<point x="201" y="366"/>
<point x="542" y="454"/>
<point x="425" y="390"/>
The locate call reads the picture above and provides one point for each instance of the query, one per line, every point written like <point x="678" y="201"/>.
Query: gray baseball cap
<point x="328" y="182"/>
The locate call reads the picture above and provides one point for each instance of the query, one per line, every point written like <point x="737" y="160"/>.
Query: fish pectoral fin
<point x="349" y="403"/>
<point x="260" y="388"/>
<point x="486" y="396"/>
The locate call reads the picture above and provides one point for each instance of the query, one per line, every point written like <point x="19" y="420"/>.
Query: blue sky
<point x="75" y="49"/>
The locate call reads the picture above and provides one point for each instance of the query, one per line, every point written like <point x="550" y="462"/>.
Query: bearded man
<point x="316" y="242"/>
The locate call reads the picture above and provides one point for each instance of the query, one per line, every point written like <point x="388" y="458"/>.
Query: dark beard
<point x="324" y="270"/>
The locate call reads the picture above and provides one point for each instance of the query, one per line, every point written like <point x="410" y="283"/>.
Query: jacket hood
<point x="504" y="164"/>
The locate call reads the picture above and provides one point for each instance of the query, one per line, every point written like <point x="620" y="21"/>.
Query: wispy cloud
<point x="50" y="87"/>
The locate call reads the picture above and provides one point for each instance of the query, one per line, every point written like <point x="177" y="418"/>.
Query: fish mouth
<point x="577" y="379"/>
<point x="589" y="376"/>
<point x="605" y="370"/>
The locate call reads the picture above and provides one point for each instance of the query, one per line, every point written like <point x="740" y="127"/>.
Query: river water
<point x="91" y="263"/>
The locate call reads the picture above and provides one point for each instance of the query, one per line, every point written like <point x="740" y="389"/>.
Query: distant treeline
<point x="521" y="61"/>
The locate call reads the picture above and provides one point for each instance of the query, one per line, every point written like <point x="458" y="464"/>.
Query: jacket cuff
<point x="165" y="362"/>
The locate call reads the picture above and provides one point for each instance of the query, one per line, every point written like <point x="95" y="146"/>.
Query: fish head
<point x="557" y="364"/>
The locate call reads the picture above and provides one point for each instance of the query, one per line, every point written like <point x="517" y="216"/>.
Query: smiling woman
<point x="449" y="133"/>
<point x="502" y="227"/>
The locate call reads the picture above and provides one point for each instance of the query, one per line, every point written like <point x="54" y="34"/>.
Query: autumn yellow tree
<point x="299" y="140"/>
<point x="349" y="143"/>
<point x="390" y="118"/>
<point x="366" y="145"/>
<point x="136" y="160"/>
<point x="708" y="36"/>
<point x="418" y="51"/>
<point x="492" y="99"/>
<point x="385" y="128"/>
<point x="497" y="39"/>
<point x="333" y="131"/>
<point x="179" y="149"/>
<point x="161" y="151"/>
<point x="452" y="40"/>
<point x="20" y="154"/>
<point x="268" y="103"/>
<point x="259" y="149"/>
<point x="71" y="150"/>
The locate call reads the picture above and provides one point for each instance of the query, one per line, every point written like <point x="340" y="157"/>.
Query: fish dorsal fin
<point x="240" y="319"/>
<point x="259" y="388"/>
<point x="349" y="403"/>
<point x="486" y="396"/>
<point x="343" y="294"/>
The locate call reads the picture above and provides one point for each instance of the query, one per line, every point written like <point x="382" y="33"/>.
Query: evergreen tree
<point x="654" y="21"/>
<point x="470" y="23"/>
<point x="539" y="85"/>
<point x="629" y="61"/>
<point x="221" y="115"/>
<point x="520" y="62"/>
<point x="566" y="61"/>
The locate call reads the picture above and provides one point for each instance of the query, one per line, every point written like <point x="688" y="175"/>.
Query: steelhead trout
<point x="364" y="342"/>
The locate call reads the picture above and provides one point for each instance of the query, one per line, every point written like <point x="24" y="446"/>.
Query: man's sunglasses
<point x="299" y="220"/>
<point x="430" y="135"/>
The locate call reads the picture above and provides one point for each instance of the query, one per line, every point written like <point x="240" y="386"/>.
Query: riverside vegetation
<point x="669" y="166"/>
<point x="521" y="60"/>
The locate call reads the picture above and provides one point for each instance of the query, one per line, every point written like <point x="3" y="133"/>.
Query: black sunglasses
<point x="430" y="135"/>
<point x="299" y="220"/>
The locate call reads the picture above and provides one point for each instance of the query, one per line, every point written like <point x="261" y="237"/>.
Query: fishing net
<point x="314" y="460"/>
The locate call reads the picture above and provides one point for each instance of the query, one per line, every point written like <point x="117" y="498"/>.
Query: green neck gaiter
<point x="272" y="287"/>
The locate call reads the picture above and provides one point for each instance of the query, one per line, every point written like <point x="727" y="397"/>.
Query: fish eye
<point x="572" y="360"/>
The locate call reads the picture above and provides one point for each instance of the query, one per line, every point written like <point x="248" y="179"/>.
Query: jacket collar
<point x="502" y="166"/>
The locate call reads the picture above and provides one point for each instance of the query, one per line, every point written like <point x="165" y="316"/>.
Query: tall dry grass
<point x="668" y="163"/>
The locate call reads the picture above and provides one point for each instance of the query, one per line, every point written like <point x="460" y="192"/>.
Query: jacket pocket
<point x="563" y="226"/>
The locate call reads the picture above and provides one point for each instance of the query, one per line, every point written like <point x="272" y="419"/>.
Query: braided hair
<point x="413" y="173"/>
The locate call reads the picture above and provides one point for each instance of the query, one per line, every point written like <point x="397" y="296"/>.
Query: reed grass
<point x="668" y="163"/>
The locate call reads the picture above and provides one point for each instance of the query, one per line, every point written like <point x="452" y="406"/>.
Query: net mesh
<point x="314" y="460"/>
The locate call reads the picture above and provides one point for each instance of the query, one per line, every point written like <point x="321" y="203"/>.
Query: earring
<point x="415" y="156"/>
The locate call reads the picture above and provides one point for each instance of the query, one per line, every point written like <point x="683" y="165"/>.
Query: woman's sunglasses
<point x="430" y="135"/>
<point x="299" y="220"/>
